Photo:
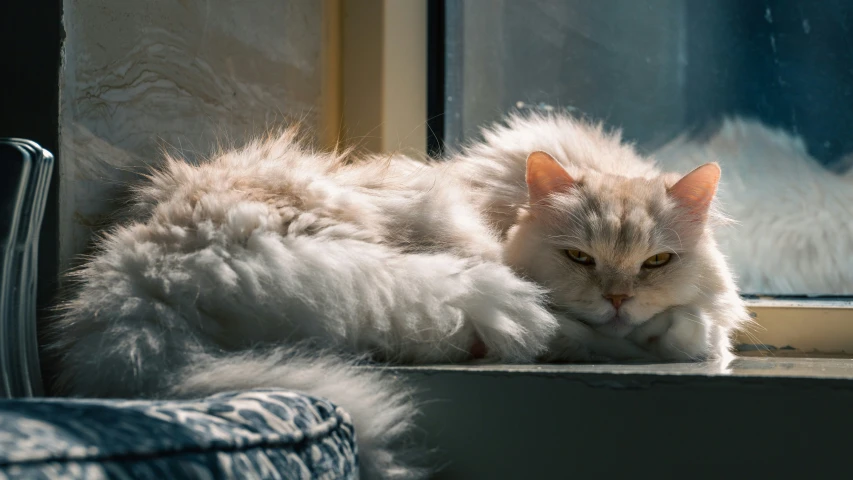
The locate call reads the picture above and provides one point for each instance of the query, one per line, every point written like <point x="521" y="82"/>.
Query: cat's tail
<point x="380" y="405"/>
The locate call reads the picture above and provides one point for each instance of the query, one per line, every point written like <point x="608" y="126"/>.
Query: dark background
<point x="30" y="37"/>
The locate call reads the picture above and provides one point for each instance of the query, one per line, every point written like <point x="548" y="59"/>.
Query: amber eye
<point x="657" y="260"/>
<point x="578" y="256"/>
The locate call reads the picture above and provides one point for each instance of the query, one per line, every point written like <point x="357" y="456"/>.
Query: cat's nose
<point x="617" y="299"/>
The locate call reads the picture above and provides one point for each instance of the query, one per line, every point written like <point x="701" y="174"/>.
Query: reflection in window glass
<point x="765" y="88"/>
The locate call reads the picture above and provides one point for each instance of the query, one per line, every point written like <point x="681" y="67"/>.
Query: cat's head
<point x="614" y="251"/>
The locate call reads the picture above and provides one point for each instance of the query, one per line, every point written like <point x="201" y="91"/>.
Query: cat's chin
<point x="617" y="326"/>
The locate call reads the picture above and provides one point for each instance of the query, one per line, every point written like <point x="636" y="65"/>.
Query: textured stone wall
<point x="186" y="75"/>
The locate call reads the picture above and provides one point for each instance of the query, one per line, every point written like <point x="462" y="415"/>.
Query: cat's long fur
<point x="229" y="267"/>
<point x="589" y="152"/>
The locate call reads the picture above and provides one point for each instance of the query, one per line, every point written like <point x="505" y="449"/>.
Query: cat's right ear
<point x="696" y="190"/>
<point x="545" y="176"/>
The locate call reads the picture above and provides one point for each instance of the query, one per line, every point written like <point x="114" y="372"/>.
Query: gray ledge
<point x="759" y="417"/>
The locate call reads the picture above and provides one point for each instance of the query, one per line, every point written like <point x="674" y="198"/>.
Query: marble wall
<point x="186" y="75"/>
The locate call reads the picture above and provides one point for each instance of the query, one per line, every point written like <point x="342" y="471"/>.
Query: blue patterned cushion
<point x="253" y="434"/>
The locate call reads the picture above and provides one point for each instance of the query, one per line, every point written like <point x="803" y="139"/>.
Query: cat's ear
<point x="546" y="176"/>
<point x="695" y="191"/>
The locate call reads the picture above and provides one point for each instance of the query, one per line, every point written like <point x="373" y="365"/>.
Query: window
<point x="762" y="87"/>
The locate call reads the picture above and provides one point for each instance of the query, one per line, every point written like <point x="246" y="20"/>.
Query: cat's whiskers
<point x="679" y="239"/>
<point x="691" y="317"/>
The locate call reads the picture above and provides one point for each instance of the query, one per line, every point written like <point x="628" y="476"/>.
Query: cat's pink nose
<point x="617" y="300"/>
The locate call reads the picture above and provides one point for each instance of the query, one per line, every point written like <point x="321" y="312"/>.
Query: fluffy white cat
<point x="259" y="267"/>
<point x="792" y="234"/>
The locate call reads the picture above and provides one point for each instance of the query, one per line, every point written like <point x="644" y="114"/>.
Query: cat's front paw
<point x="508" y="314"/>
<point x="680" y="334"/>
<point x="566" y="349"/>
<point x="579" y="343"/>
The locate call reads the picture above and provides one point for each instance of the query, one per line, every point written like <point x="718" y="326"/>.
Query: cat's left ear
<point x="695" y="191"/>
<point x="545" y="176"/>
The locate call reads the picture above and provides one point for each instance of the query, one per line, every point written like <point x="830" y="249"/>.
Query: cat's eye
<point x="657" y="260"/>
<point x="578" y="256"/>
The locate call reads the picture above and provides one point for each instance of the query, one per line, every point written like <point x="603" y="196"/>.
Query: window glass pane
<point x="765" y="88"/>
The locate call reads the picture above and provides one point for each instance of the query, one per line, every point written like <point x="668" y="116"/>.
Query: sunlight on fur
<point x="227" y="268"/>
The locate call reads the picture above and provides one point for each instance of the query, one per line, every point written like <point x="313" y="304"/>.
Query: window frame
<point x="376" y="74"/>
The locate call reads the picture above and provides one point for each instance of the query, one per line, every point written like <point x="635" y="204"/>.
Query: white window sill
<point x="816" y="327"/>
<point x="741" y="367"/>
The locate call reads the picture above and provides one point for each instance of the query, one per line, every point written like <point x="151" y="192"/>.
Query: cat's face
<point x="613" y="251"/>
